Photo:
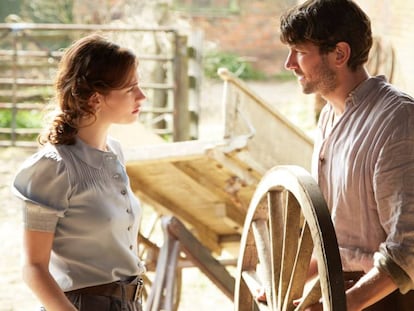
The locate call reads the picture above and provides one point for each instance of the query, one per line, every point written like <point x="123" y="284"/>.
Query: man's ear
<point x="95" y="101"/>
<point x="342" y="53"/>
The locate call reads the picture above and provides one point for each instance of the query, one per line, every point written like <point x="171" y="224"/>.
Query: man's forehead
<point x="303" y="45"/>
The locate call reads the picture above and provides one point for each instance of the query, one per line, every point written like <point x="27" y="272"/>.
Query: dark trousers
<point x="86" y="302"/>
<point x="394" y="302"/>
<point x="116" y="296"/>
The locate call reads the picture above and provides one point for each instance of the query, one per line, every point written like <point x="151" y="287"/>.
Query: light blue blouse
<point x="83" y="195"/>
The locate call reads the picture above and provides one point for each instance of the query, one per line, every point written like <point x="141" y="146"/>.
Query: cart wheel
<point x="287" y="221"/>
<point x="150" y="252"/>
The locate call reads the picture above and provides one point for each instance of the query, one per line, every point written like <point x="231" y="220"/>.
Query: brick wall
<point x="253" y="32"/>
<point x="394" y="22"/>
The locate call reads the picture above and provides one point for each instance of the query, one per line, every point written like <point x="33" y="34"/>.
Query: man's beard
<point x="326" y="80"/>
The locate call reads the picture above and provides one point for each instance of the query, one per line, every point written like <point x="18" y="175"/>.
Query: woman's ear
<point x="342" y="53"/>
<point x="95" y="101"/>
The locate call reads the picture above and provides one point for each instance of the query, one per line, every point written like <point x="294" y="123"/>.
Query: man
<point x="364" y="151"/>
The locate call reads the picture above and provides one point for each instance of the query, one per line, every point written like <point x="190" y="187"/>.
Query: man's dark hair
<point x="327" y="22"/>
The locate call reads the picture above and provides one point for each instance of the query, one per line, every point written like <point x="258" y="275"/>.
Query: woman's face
<point x="122" y="106"/>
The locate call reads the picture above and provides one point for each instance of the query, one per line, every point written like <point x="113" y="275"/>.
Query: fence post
<point x="181" y="115"/>
<point x="13" y="124"/>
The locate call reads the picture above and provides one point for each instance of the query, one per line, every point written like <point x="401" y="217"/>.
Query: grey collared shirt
<point x="83" y="195"/>
<point x="365" y="169"/>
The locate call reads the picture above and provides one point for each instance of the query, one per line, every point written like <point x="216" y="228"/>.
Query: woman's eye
<point x="132" y="89"/>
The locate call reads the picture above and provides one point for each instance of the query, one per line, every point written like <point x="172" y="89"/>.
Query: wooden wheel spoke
<point x="311" y="295"/>
<point x="262" y="238"/>
<point x="252" y="281"/>
<point x="299" y="275"/>
<point x="287" y="223"/>
<point x="275" y="201"/>
<point x="291" y="231"/>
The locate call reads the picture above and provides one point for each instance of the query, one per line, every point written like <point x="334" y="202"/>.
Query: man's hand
<point x="314" y="307"/>
<point x="261" y="295"/>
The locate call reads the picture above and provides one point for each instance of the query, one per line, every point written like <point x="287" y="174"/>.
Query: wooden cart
<point x="225" y="194"/>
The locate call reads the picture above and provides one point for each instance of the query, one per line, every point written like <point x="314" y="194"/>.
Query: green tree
<point x="8" y="7"/>
<point x="48" y="11"/>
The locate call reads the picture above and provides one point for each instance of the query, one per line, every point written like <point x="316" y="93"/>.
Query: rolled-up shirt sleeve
<point x="42" y="182"/>
<point x="394" y="193"/>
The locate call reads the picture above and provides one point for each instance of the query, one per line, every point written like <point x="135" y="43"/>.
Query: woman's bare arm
<point x="37" y="248"/>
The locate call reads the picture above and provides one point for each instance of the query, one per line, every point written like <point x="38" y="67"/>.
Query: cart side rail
<point x="274" y="139"/>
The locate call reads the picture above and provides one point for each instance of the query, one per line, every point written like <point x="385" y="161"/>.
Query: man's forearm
<point x="372" y="287"/>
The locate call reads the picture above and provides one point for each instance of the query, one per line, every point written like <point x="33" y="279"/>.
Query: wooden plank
<point x="232" y="216"/>
<point x="202" y="258"/>
<point x="46" y="82"/>
<point x="58" y="54"/>
<point x="169" y="152"/>
<point x="147" y="193"/>
<point x="248" y="114"/>
<point x="181" y="117"/>
<point x="22" y="106"/>
<point x="20" y="131"/>
<point x="226" y="161"/>
<point x="233" y="210"/>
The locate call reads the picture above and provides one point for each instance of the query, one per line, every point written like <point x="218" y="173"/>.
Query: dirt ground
<point x="198" y="293"/>
<point x="14" y="295"/>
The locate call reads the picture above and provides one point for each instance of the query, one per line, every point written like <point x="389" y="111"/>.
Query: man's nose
<point x="290" y="62"/>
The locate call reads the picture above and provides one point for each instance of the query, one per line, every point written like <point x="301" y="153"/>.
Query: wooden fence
<point x="29" y="54"/>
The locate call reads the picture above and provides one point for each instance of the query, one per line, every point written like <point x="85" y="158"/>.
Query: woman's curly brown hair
<point x="90" y="65"/>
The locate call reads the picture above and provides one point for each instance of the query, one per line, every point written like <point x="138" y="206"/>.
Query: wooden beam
<point x="201" y="257"/>
<point x="165" y="206"/>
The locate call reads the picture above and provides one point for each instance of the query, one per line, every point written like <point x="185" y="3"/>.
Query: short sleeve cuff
<point x="38" y="218"/>
<point x="385" y="264"/>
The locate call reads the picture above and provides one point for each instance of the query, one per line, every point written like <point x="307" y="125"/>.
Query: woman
<point x="81" y="217"/>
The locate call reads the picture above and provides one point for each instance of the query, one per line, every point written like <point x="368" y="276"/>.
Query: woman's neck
<point x="94" y="135"/>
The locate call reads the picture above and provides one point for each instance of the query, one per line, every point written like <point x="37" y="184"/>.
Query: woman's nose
<point x="140" y="94"/>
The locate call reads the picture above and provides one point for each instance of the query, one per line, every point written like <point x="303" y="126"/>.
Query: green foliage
<point x="283" y="76"/>
<point x="234" y="63"/>
<point x="24" y="119"/>
<point x="48" y="11"/>
<point x="8" y="7"/>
